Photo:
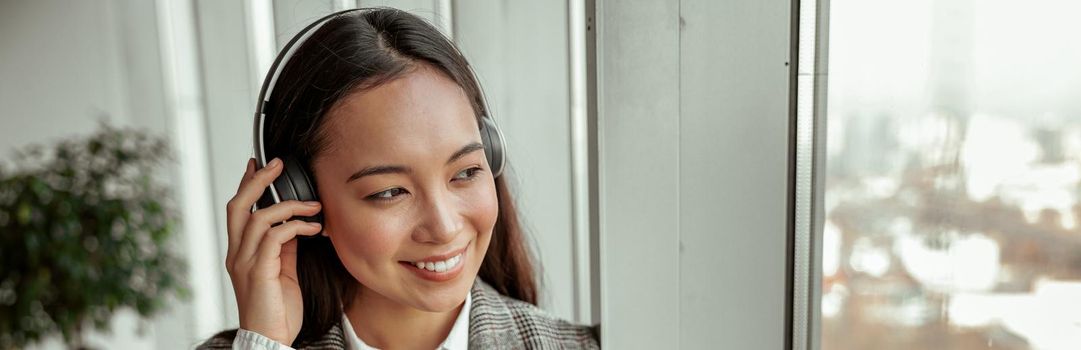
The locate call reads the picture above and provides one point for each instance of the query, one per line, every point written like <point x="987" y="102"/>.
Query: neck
<point x="386" y="324"/>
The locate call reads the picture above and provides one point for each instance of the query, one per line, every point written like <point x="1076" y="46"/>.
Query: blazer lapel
<point x="491" y="325"/>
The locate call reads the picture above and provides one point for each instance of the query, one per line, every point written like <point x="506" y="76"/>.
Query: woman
<point x="419" y="245"/>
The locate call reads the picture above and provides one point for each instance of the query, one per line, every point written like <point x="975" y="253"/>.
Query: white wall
<point x="66" y="65"/>
<point x="638" y="121"/>
<point x="694" y="123"/>
<point x="734" y="154"/>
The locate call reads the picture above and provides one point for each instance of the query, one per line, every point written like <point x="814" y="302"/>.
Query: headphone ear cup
<point x="301" y="188"/>
<point x="284" y="185"/>
<point x="493" y="145"/>
<point x="300" y="183"/>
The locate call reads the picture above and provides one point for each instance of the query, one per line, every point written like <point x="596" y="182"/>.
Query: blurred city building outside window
<point x="953" y="175"/>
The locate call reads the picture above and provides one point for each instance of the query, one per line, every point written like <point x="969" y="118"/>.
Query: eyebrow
<point x="401" y="169"/>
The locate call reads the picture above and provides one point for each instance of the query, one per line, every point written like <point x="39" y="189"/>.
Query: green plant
<point x="85" y="230"/>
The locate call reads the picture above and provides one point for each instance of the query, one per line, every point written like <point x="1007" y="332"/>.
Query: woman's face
<point x="404" y="181"/>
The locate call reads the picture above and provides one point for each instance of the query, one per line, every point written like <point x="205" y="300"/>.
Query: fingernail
<point x="274" y="163"/>
<point x="311" y="204"/>
<point x="313" y="224"/>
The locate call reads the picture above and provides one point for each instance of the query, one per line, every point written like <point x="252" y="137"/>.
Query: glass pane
<point x="953" y="175"/>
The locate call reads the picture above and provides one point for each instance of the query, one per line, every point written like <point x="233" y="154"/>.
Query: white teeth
<point x="440" y="266"/>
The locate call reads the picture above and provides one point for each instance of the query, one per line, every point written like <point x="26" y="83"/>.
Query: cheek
<point x="364" y="240"/>
<point x="490" y="209"/>
<point x="483" y="213"/>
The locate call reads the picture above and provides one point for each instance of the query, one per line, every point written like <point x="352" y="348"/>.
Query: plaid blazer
<point x="496" y="321"/>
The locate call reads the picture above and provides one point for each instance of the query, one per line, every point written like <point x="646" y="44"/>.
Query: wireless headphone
<point x="294" y="183"/>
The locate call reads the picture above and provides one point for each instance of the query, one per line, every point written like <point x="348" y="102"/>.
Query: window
<point x="953" y="175"/>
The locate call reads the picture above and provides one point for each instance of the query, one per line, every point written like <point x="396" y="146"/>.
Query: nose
<point x="441" y="221"/>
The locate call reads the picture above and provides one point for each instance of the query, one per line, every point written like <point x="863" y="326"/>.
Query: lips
<point x="436" y="270"/>
<point x="438" y="258"/>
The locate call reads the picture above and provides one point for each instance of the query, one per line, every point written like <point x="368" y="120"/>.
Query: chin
<point x="445" y="298"/>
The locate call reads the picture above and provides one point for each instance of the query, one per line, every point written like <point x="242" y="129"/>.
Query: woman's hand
<point x="262" y="259"/>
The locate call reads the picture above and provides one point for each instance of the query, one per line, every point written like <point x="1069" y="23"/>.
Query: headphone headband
<point x="272" y="78"/>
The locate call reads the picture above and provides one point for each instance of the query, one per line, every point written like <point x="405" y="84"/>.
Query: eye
<point x="470" y="174"/>
<point x="387" y="195"/>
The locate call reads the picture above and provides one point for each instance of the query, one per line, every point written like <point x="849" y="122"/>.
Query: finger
<point x="235" y="216"/>
<point x="270" y="249"/>
<point x="248" y="170"/>
<point x="239" y="208"/>
<point x="288" y="258"/>
<point x="254" y="183"/>
<point x="262" y="219"/>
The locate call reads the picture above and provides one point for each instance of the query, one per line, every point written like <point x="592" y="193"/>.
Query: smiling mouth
<point x="440" y="266"/>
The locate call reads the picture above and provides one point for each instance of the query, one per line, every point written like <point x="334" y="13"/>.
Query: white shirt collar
<point x="458" y="339"/>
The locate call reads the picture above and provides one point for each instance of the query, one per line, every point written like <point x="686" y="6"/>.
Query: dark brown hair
<point x="352" y="52"/>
